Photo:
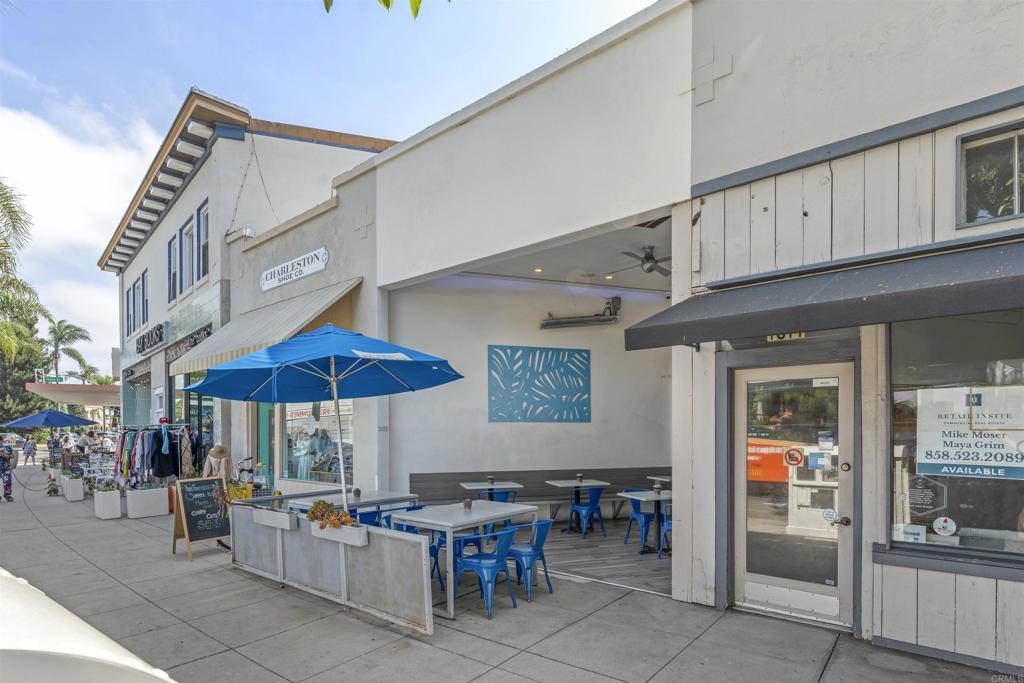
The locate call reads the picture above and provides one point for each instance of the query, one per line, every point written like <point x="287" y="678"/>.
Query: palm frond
<point x="15" y="221"/>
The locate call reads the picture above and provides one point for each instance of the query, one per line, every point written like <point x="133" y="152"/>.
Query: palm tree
<point x="18" y="301"/>
<point x="86" y="372"/>
<point x="59" y="343"/>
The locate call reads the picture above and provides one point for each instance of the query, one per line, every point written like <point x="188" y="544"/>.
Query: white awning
<point x="260" y="328"/>
<point x="78" y="394"/>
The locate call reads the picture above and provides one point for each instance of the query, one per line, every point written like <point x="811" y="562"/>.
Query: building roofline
<point x="186" y="144"/>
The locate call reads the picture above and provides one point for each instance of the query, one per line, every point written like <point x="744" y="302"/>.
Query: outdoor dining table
<point x="655" y="497"/>
<point x="576" y="485"/>
<point x="372" y="498"/>
<point x="660" y="477"/>
<point x="491" y="486"/>
<point x="456" y="517"/>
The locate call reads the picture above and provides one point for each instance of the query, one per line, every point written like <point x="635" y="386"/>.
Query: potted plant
<point x="340" y="527"/>
<point x="72" y="485"/>
<point x="107" y="502"/>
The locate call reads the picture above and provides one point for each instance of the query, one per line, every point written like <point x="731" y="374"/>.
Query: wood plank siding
<point x="969" y="615"/>
<point x="902" y="194"/>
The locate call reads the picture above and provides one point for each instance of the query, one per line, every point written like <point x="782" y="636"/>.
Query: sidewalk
<point x="204" y="621"/>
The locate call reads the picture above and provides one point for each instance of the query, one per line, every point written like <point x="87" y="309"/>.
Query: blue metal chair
<point x="666" y="528"/>
<point x="488" y="566"/>
<point x="589" y="510"/>
<point x="642" y="518"/>
<point x="499" y="497"/>
<point x="385" y="520"/>
<point x="462" y="539"/>
<point x="526" y="555"/>
<point x="369" y="518"/>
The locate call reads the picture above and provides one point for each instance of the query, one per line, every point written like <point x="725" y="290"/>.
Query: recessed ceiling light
<point x="608" y="277"/>
<point x="538" y="270"/>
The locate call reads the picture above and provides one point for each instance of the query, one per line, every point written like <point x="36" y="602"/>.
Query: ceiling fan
<point x="648" y="262"/>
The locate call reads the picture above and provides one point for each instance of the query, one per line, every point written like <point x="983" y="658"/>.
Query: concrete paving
<point x="205" y="621"/>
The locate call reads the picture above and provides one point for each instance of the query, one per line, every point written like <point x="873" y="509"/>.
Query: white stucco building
<point x="219" y="172"/>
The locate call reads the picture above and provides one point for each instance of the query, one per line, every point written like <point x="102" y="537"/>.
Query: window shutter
<point x="170" y="286"/>
<point x="181" y="260"/>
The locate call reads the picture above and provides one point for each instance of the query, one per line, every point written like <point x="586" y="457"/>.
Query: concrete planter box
<point x="146" y="502"/>
<point x="107" y="504"/>
<point x="73" y="488"/>
<point x="278" y="519"/>
<point x="349" y="535"/>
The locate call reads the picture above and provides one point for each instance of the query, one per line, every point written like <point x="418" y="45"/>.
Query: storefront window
<point x="958" y="431"/>
<point x="195" y="410"/>
<point x="137" y="397"/>
<point x="314" y="449"/>
<point x="265" y="427"/>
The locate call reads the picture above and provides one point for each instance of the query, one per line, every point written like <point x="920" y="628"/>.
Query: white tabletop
<point x="455" y="516"/>
<point x="660" y="477"/>
<point x="572" y="483"/>
<point x="370" y="498"/>
<point x="647" y="496"/>
<point x="486" y="486"/>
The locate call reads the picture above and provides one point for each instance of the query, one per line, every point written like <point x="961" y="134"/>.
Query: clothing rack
<point x="142" y="455"/>
<point x="156" y="426"/>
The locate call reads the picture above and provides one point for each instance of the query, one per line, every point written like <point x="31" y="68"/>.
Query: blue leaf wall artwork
<point x="538" y="384"/>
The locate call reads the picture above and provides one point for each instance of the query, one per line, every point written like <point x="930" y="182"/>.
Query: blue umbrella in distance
<point x="48" y="418"/>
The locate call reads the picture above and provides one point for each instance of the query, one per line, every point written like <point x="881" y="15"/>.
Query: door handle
<point x="842" y="521"/>
<point x="845" y="467"/>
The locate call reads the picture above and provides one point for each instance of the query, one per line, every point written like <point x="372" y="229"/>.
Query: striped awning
<point x="261" y="327"/>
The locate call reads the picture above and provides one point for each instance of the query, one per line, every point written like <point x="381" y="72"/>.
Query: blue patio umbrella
<point x="327" y="363"/>
<point x="48" y="418"/>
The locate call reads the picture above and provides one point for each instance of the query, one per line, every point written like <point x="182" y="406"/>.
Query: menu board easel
<point x="201" y="512"/>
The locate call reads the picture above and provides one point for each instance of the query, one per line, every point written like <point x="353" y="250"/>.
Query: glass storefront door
<point x="793" y="490"/>
<point x="196" y="410"/>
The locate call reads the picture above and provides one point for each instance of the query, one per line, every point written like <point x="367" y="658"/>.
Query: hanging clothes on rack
<point x="186" y="460"/>
<point x="147" y="453"/>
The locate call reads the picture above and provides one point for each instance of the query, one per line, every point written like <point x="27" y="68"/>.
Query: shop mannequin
<point x="218" y="463"/>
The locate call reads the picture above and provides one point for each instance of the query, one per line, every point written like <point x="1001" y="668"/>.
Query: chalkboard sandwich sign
<point x="201" y="512"/>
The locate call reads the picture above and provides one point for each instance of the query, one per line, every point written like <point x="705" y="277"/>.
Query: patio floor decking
<point x="607" y="558"/>
<point x="194" y="618"/>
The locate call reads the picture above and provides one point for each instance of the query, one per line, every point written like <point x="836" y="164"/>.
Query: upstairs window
<point x="203" y="239"/>
<point x="128" y="312"/>
<point x="188" y="271"/>
<point x="991" y="177"/>
<point x="137" y="304"/>
<point x="145" y="297"/>
<point x="172" y="269"/>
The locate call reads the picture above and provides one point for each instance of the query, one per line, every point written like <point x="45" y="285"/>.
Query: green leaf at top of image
<point x="414" y="5"/>
<point x="386" y="4"/>
<point x="327" y="5"/>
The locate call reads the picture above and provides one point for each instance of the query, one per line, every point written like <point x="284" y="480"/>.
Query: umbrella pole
<point x="341" y="451"/>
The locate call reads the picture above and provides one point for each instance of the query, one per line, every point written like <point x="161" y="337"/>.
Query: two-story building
<point x="219" y="173"/>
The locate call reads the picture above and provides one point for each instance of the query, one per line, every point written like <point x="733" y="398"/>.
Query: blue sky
<point x="88" y="89"/>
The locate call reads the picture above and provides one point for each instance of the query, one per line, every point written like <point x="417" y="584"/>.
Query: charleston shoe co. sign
<point x="289" y="271"/>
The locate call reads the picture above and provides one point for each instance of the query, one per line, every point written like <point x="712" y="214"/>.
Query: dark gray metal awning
<point x="976" y="280"/>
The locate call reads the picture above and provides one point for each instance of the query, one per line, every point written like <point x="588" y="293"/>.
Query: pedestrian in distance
<point x="29" y="449"/>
